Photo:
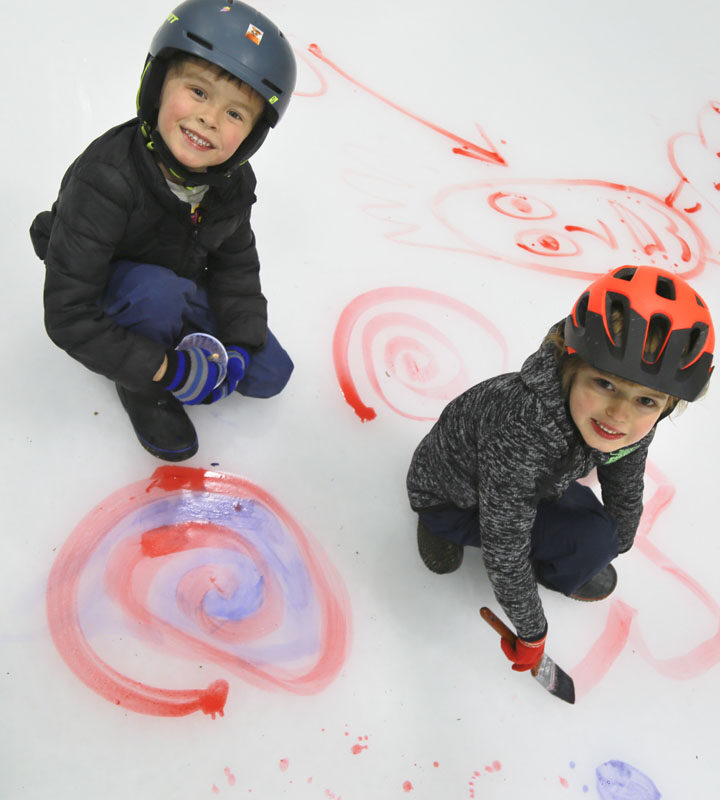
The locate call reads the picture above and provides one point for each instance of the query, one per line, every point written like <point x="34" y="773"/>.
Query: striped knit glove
<point x="238" y="362"/>
<point x="190" y="375"/>
<point x="525" y="655"/>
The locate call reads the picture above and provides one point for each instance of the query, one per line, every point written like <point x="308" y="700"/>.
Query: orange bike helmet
<point x="645" y="296"/>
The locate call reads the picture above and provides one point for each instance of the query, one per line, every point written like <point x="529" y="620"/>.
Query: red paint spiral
<point x="413" y="345"/>
<point x="203" y="566"/>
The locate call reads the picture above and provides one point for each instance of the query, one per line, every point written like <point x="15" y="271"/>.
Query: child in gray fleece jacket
<point x="499" y="468"/>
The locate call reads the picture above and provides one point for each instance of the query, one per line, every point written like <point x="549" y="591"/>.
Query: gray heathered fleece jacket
<point x="502" y="446"/>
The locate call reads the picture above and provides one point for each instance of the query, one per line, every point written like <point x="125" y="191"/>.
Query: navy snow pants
<point x="573" y="538"/>
<point x="155" y="302"/>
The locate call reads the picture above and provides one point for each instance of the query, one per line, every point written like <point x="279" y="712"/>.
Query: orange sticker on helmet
<point x="254" y="34"/>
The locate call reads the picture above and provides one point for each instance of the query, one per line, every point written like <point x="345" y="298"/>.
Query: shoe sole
<point x="596" y="598"/>
<point x="168" y="455"/>
<point x="164" y="455"/>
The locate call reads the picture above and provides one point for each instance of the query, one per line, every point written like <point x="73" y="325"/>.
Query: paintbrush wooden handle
<point x="498" y="625"/>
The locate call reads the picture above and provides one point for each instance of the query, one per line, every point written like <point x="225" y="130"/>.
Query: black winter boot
<point x="438" y="554"/>
<point x="600" y="586"/>
<point x="161" y="424"/>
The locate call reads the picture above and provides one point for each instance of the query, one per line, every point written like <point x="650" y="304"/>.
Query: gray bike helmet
<point x="236" y="38"/>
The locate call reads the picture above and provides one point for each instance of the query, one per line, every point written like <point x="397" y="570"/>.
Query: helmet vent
<point x="581" y="310"/>
<point x="657" y="333"/>
<point x="199" y="40"/>
<point x="625" y="273"/>
<point x="665" y="288"/>
<point x="278" y="91"/>
<point x="696" y="341"/>
<point x="699" y="301"/>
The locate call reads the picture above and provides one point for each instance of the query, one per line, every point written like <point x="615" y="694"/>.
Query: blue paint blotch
<point x="617" y="780"/>
<point x="243" y="602"/>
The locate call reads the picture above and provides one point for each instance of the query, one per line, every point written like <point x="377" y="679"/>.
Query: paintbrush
<point x="546" y="673"/>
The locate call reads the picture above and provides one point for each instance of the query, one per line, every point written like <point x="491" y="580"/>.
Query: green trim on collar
<point x="621" y="454"/>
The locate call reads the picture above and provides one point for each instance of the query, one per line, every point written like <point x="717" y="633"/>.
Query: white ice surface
<point x="565" y="91"/>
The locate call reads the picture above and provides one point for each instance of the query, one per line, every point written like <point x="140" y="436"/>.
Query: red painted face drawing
<point x="571" y="228"/>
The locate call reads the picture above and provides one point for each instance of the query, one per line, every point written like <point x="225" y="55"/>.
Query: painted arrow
<point x="464" y="146"/>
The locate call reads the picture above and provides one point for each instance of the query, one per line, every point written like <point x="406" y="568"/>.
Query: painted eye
<point x="546" y="243"/>
<point x="520" y="206"/>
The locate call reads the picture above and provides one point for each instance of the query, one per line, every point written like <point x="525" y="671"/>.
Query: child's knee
<point x="148" y="299"/>
<point x="267" y="380"/>
<point x="600" y="539"/>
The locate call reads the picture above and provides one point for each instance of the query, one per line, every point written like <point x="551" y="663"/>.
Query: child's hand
<point x="525" y="655"/>
<point x="190" y="375"/>
<point x="238" y="361"/>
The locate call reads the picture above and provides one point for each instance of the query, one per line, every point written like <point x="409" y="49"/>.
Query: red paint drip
<point x="230" y="777"/>
<point x="173" y="479"/>
<point x="407" y="786"/>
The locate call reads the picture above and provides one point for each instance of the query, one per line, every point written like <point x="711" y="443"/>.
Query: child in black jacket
<point x="150" y="236"/>
<point x="499" y="468"/>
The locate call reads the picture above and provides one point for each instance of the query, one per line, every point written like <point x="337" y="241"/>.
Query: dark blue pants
<point x="572" y="539"/>
<point x="157" y="303"/>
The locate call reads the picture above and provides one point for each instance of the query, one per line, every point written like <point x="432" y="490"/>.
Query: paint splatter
<point x="408" y="350"/>
<point x="496" y="766"/>
<point x="407" y="786"/>
<point x="616" y="780"/>
<point x="230" y="777"/>
<point x="284" y="764"/>
<point x="172" y="560"/>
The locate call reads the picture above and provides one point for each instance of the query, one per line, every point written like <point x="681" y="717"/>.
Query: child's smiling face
<point x="610" y="412"/>
<point x="204" y="118"/>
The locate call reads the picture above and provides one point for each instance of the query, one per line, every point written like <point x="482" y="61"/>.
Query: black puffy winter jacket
<point x="114" y="203"/>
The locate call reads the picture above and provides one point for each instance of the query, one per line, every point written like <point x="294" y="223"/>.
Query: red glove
<point x="525" y="655"/>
